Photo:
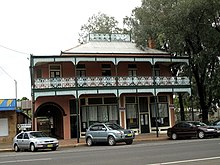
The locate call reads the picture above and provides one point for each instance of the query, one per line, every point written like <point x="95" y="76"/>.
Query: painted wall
<point x="12" y="125"/>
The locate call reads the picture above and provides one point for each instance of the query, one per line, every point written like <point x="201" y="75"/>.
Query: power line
<point x="6" y="73"/>
<point x="13" y="50"/>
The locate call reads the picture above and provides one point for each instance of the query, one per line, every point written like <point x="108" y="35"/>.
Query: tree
<point x="100" y="23"/>
<point x="186" y="27"/>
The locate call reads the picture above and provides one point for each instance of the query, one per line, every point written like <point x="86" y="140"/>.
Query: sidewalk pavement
<point x="73" y="142"/>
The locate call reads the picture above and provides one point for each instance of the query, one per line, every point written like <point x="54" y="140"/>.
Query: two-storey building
<point x="107" y="79"/>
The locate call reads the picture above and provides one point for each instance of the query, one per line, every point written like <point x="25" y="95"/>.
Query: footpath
<point x="5" y="147"/>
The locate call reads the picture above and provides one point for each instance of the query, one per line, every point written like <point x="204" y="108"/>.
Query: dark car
<point x="34" y="140"/>
<point x="188" y="129"/>
<point x="108" y="132"/>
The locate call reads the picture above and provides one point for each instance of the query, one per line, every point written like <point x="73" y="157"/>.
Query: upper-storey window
<point x="156" y="70"/>
<point x="39" y="73"/>
<point x="55" y="71"/>
<point x="132" y="70"/>
<point x="80" y="70"/>
<point x="106" y="70"/>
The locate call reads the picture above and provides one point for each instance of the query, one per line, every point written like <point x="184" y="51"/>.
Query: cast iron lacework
<point x="108" y="81"/>
<point x="109" y="37"/>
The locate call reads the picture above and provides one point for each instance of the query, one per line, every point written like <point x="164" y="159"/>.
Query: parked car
<point x="216" y="124"/>
<point x="188" y="129"/>
<point x="34" y="140"/>
<point x="108" y="132"/>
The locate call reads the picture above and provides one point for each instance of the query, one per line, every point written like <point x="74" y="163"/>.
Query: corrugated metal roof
<point x="112" y="48"/>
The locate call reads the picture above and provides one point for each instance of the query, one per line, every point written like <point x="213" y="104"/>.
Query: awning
<point x="7" y="104"/>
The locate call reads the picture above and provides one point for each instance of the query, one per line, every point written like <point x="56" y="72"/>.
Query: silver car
<point x="108" y="132"/>
<point x="34" y="140"/>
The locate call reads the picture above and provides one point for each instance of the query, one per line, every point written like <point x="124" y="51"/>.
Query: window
<point x="106" y="70"/>
<point x="81" y="70"/>
<point x="98" y="113"/>
<point x="131" y="116"/>
<point x="132" y="70"/>
<point x="39" y="73"/>
<point x="20" y="136"/>
<point x="55" y="71"/>
<point x="26" y="136"/>
<point x="156" y="70"/>
<point x="160" y="112"/>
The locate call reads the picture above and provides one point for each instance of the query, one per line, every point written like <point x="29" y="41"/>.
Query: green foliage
<point x="100" y="23"/>
<point x="186" y="27"/>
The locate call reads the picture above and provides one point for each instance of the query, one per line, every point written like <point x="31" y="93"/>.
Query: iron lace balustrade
<point x="69" y="82"/>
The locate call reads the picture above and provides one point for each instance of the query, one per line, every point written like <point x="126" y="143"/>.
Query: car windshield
<point x="114" y="126"/>
<point x="38" y="134"/>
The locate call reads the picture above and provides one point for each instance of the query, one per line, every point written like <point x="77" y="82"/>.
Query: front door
<point x="144" y="121"/>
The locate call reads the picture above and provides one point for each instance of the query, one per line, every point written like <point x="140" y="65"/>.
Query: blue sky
<point x="44" y="27"/>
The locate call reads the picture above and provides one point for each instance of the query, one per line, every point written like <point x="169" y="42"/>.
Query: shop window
<point x="100" y="113"/>
<point x="160" y="113"/>
<point x="131" y="116"/>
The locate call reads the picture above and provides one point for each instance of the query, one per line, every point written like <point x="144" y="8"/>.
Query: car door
<point x="26" y="141"/>
<point x="93" y="132"/>
<point x="190" y="130"/>
<point x="102" y="133"/>
<point x="19" y="140"/>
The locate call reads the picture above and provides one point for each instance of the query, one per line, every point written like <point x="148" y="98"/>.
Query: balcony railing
<point x="109" y="82"/>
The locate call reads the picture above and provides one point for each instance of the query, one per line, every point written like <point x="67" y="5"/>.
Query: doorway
<point x="50" y="120"/>
<point x="144" y="121"/>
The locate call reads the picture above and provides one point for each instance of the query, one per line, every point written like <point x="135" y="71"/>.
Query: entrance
<point x="144" y="121"/>
<point x="50" y="120"/>
<point x="144" y="115"/>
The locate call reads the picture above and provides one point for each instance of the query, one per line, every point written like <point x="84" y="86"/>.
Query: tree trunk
<point x="182" y="113"/>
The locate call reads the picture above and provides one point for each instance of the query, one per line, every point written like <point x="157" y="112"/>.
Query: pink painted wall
<point x="63" y="101"/>
<point x="95" y="69"/>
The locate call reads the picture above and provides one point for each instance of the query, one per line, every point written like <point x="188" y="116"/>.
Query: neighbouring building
<point x="107" y="79"/>
<point x="12" y="118"/>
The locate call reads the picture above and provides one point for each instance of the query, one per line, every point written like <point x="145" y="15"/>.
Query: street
<point x="181" y="152"/>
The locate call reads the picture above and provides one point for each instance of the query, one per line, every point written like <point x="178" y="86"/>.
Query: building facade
<point x="107" y="79"/>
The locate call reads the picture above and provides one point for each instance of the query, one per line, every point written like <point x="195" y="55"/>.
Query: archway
<point x="50" y="119"/>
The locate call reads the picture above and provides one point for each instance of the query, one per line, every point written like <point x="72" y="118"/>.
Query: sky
<point x="44" y="27"/>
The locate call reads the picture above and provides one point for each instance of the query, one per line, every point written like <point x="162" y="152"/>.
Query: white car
<point x="34" y="140"/>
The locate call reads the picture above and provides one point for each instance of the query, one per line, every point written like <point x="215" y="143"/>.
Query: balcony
<point x="84" y="82"/>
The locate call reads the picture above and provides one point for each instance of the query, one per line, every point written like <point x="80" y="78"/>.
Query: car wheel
<point x="111" y="141"/>
<point x="129" y="142"/>
<point x="174" y="136"/>
<point x="201" y="134"/>
<point x="32" y="147"/>
<point x="89" y="141"/>
<point x="54" y="148"/>
<point x="16" y="148"/>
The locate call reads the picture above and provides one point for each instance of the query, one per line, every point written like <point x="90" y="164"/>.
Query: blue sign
<point x="7" y="104"/>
